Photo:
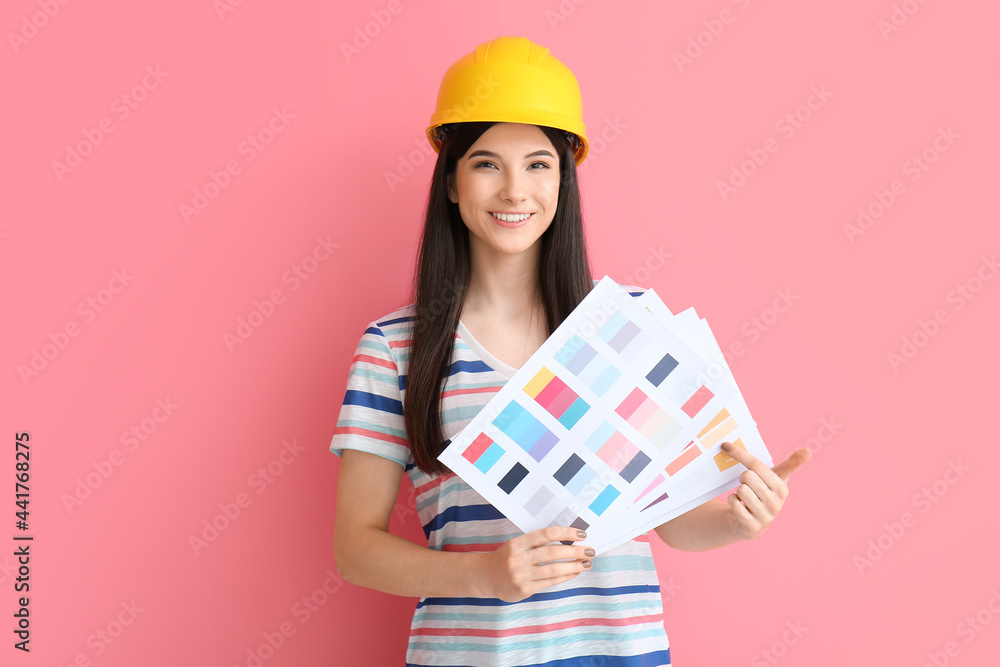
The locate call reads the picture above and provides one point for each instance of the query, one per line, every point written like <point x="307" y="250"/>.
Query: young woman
<point x="502" y="262"/>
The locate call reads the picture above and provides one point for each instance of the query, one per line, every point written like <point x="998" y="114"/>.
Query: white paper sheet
<point x="609" y="414"/>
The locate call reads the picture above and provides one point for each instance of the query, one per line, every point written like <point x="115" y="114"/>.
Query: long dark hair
<point x="441" y="280"/>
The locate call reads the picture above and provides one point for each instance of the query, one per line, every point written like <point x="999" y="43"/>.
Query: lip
<point x="520" y="223"/>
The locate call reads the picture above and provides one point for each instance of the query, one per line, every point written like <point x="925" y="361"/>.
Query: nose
<point x="514" y="185"/>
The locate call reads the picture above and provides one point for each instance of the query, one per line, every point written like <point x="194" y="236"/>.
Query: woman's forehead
<point x="514" y="133"/>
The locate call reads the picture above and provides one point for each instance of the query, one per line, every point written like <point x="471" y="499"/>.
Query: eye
<point x="544" y="164"/>
<point x="484" y="162"/>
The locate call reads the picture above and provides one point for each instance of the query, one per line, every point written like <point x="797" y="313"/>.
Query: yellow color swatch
<point x="716" y="420"/>
<point x="720" y="432"/>
<point x="725" y="461"/>
<point x="537" y="383"/>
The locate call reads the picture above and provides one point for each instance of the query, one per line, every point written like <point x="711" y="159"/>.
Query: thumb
<point x="792" y="463"/>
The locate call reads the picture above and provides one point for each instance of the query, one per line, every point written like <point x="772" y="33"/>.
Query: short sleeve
<point x="635" y="290"/>
<point x="371" y="417"/>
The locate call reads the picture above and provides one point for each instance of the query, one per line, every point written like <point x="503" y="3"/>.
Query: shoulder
<point x="397" y="322"/>
<point x="385" y="336"/>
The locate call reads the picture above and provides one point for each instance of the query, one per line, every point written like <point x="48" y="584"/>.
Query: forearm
<point x="708" y="526"/>
<point x="379" y="560"/>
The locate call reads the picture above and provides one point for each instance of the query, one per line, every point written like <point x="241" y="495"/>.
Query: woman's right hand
<point x="522" y="565"/>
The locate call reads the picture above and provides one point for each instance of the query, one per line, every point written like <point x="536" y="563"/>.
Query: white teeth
<point x="508" y="217"/>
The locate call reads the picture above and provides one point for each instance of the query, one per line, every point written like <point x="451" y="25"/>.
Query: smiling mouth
<point x="511" y="218"/>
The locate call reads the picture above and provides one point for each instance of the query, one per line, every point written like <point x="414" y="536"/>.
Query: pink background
<point x="671" y="134"/>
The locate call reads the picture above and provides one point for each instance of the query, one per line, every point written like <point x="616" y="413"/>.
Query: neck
<point x="503" y="285"/>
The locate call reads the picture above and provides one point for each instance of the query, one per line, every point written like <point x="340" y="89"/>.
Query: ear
<point x="452" y="192"/>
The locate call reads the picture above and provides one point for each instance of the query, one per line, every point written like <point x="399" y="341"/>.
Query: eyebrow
<point x="494" y="155"/>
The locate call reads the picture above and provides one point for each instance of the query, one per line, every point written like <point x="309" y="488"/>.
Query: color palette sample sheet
<point x="666" y="499"/>
<point x="612" y="426"/>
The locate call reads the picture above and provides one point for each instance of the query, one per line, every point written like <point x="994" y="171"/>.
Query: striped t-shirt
<point x="609" y="615"/>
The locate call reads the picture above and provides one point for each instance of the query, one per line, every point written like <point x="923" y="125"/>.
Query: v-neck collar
<point x="500" y="367"/>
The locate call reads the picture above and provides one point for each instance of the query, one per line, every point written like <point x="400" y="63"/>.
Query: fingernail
<point x="582" y="535"/>
<point x="587" y="563"/>
<point x="726" y="446"/>
<point x="589" y="552"/>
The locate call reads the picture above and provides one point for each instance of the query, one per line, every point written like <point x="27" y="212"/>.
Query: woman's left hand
<point x="762" y="490"/>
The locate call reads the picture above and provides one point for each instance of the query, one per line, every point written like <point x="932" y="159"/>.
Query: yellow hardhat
<point x="512" y="80"/>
